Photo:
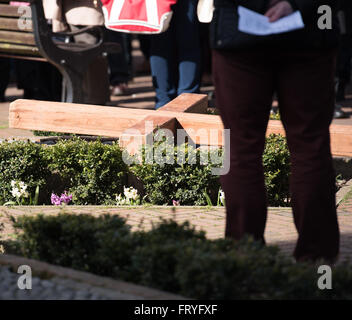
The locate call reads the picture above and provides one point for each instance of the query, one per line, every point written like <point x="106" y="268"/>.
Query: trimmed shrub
<point x="176" y="258"/>
<point x="276" y="162"/>
<point x="75" y="241"/>
<point x="155" y="265"/>
<point x="188" y="182"/>
<point x="95" y="172"/>
<point x="22" y="161"/>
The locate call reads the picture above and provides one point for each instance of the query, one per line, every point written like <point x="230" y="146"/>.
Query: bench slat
<point x="12" y="24"/>
<point x="9" y="11"/>
<point x="17" y="37"/>
<point x="22" y="57"/>
<point x="18" y="49"/>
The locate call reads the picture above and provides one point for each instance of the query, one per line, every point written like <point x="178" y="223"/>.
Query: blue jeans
<point x="175" y="55"/>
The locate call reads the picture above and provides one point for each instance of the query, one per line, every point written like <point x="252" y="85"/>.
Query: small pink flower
<point x="58" y="201"/>
<point x="65" y="198"/>
<point x="55" y="200"/>
<point x="176" y="203"/>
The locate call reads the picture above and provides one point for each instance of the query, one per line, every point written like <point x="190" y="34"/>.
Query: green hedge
<point x="22" y="161"/>
<point x="276" y="162"/>
<point x="91" y="171"/>
<point x="174" y="257"/>
<point x="188" y="183"/>
<point x="94" y="173"/>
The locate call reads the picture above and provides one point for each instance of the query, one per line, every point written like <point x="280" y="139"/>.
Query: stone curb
<point x="121" y="288"/>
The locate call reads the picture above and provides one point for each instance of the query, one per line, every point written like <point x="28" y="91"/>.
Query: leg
<point x="48" y="82"/>
<point x="244" y="90"/>
<point x="306" y="101"/>
<point x="188" y="46"/>
<point x="5" y="76"/>
<point x="26" y="77"/>
<point x="119" y="63"/>
<point x="163" y="65"/>
<point x="144" y="45"/>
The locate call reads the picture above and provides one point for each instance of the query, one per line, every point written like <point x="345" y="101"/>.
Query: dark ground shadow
<point x="287" y="247"/>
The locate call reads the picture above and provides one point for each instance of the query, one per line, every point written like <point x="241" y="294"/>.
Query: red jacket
<point x="138" y="16"/>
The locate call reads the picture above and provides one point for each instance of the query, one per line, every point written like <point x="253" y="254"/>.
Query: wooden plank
<point x="18" y="56"/>
<point x="73" y="118"/>
<point x="12" y="24"/>
<point x="17" y="37"/>
<point x="188" y="102"/>
<point x="341" y="140"/>
<point x="89" y="119"/>
<point x="9" y="11"/>
<point x="137" y="135"/>
<point x="112" y="122"/>
<point x="18" y="49"/>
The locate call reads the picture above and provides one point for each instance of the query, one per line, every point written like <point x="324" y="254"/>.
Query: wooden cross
<point x="186" y="112"/>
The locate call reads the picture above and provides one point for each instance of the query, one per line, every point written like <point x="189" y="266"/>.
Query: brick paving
<point x="280" y="228"/>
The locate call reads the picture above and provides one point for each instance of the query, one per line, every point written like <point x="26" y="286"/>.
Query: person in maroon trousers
<point x="301" y="72"/>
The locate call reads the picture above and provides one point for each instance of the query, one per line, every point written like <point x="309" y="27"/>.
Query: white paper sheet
<point x="254" y="23"/>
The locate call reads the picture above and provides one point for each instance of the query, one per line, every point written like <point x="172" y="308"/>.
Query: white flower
<point x="23" y="186"/>
<point x="222" y="197"/>
<point x="19" y="189"/>
<point x="130" y="193"/>
<point x="120" y="200"/>
<point x="129" y="196"/>
<point x="16" y="192"/>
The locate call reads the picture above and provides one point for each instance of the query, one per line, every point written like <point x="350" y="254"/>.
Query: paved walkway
<point x="280" y="227"/>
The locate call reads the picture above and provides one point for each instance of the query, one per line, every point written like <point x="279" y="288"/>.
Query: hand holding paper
<point x="278" y="9"/>
<point x="257" y="24"/>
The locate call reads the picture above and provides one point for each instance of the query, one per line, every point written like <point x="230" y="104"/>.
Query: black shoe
<point x="339" y="114"/>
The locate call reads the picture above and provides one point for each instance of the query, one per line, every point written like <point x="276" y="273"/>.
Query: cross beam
<point x="182" y="113"/>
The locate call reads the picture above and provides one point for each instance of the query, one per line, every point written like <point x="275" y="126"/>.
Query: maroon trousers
<point x="304" y="83"/>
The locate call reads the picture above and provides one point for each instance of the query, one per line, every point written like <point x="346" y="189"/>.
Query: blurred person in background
<point x="120" y="64"/>
<point x="69" y="15"/>
<point x="175" y="55"/>
<point x="4" y="77"/>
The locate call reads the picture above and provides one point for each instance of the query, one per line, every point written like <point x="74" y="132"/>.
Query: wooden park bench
<point x="186" y="112"/>
<point x="28" y="36"/>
